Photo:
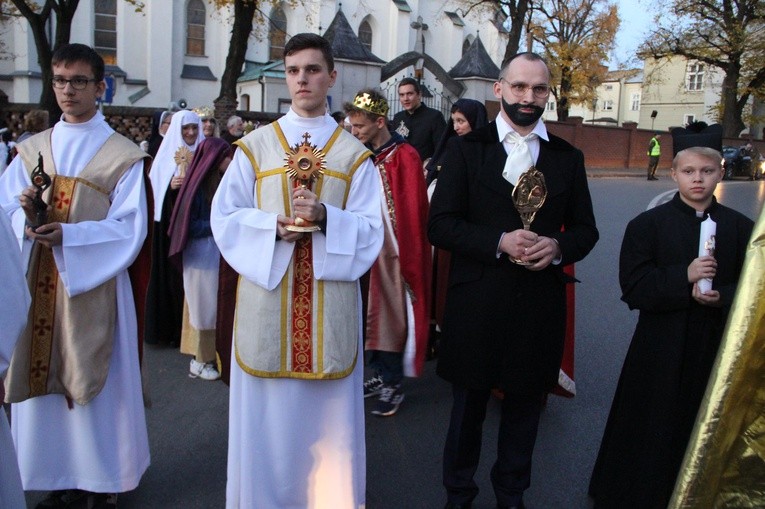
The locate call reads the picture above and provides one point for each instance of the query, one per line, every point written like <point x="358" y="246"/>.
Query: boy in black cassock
<point x="676" y="338"/>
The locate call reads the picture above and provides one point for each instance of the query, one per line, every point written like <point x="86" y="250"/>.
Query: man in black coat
<point x="421" y="126"/>
<point x="504" y="322"/>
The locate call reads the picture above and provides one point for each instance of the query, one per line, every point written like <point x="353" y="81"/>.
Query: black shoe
<point x="519" y="506"/>
<point x="103" y="501"/>
<point x="390" y="398"/>
<point x="373" y="386"/>
<point x="61" y="499"/>
<point x="452" y="505"/>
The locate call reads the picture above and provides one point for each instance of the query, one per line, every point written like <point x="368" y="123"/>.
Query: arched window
<point x="195" y="28"/>
<point x="105" y="32"/>
<point x="244" y="102"/>
<point x="466" y="45"/>
<point x="277" y="34"/>
<point x="365" y="35"/>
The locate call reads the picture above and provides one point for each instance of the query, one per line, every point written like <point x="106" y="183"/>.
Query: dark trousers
<point x="511" y="473"/>
<point x="653" y="163"/>
<point x="388" y="365"/>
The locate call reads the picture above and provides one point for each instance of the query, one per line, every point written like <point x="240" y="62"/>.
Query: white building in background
<point x="679" y="91"/>
<point x="618" y="100"/>
<point x="176" y="49"/>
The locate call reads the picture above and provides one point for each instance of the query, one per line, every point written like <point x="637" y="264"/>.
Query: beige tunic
<point x="317" y="320"/>
<point x="63" y="349"/>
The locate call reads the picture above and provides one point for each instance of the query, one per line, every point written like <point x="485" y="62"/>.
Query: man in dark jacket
<point x="505" y="315"/>
<point x="421" y="126"/>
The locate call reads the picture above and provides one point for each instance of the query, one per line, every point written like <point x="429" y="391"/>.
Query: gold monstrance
<point x="305" y="164"/>
<point x="529" y="195"/>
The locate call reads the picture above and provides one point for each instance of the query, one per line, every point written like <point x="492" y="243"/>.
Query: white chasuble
<point x="296" y="442"/>
<point x="101" y="446"/>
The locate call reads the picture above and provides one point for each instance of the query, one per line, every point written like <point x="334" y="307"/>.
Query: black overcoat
<point x="504" y="325"/>
<point x="671" y="354"/>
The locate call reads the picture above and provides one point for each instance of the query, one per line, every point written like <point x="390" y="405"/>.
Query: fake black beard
<point x="520" y="118"/>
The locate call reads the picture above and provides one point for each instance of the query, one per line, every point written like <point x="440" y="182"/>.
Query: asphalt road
<point x="188" y="418"/>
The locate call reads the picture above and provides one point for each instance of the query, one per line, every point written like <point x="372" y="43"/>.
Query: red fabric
<point x="409" y="193"/>
<point x="140" y="270"/>
<point x="567" y="364"/>
<point x="228" y="281"/>
<point x="442" y="260"/>
<point x="208" y="156"/>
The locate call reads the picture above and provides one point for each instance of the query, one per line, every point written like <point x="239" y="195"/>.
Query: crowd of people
<point x="285" y="260"/>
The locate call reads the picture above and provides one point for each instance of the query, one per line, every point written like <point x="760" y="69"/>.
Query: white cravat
<point x="519" y="158"/>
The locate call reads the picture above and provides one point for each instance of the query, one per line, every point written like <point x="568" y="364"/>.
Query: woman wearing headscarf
<point x="160" y="123"/>
<point x="466" y="115"/>
<point x="164" y="300"/>
<point x="192" y="247"/>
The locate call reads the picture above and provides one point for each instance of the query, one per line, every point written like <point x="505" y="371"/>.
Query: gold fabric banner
<point x="724" y="464"/>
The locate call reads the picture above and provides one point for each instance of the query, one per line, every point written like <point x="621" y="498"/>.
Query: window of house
<point x="365" y="35"/>
<point x="195" y="28"/>
<point x="105" y="32"/>
<point x="635" y="102"/>
<point x="689" y="119"/>
<point x="694" y="78"/>
<point x="608" y="87"/>
<point x="608" y="105"/>
<point x="277" y="34"/>
<point x="551" y="106"/>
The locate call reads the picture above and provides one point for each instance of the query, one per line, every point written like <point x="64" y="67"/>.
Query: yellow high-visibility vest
<point x="655" y="149"/>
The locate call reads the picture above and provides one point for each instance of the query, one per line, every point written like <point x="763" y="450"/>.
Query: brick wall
<point x="621" y="147"/>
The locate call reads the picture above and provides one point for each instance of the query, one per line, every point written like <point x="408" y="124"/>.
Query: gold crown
<point x="365" y="102"/>
<point x="204" y="112"/>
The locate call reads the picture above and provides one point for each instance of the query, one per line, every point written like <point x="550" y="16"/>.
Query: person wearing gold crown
<point x="298" y="216"/>
<point x="399" y="283"/>
<point x="209" y="123"/>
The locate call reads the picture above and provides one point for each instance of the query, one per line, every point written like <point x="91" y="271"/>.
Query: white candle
<point x="707" y="248"/>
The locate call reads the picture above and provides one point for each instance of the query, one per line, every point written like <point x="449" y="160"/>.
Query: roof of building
<point x="254" y="70"/>
<point x="476" y="62"/>
<point x="345" y="43"/>
<point x="627" y="75"/>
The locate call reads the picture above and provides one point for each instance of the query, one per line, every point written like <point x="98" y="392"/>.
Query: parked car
<point x="740" y="162"/>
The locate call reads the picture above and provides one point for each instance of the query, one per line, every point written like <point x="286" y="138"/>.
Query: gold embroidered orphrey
<point x="529" y="194"/>
<point x="305" y="163"/>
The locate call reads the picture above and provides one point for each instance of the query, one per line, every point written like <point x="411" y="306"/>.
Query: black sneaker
<point x="373" y="386"/>
<point x="389" y="400"/>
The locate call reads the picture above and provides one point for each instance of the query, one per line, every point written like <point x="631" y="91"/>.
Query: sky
<point x="637" y="21"/>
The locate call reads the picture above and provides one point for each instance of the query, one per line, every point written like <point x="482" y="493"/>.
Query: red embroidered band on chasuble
<point x="44" y="292"/>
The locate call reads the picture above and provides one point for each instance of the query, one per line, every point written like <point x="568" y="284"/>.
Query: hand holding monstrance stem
<point x="529" y="195"/>
<point x="305" y="164"/>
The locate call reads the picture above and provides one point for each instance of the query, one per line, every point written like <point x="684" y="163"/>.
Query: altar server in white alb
<point x="78" y="420"/>
<point x="296" y="418"/>
<point x="14" y="296"/>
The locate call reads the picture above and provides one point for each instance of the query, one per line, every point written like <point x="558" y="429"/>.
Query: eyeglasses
<point x="520" y="89"/>
<point x="77" y="83"/>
